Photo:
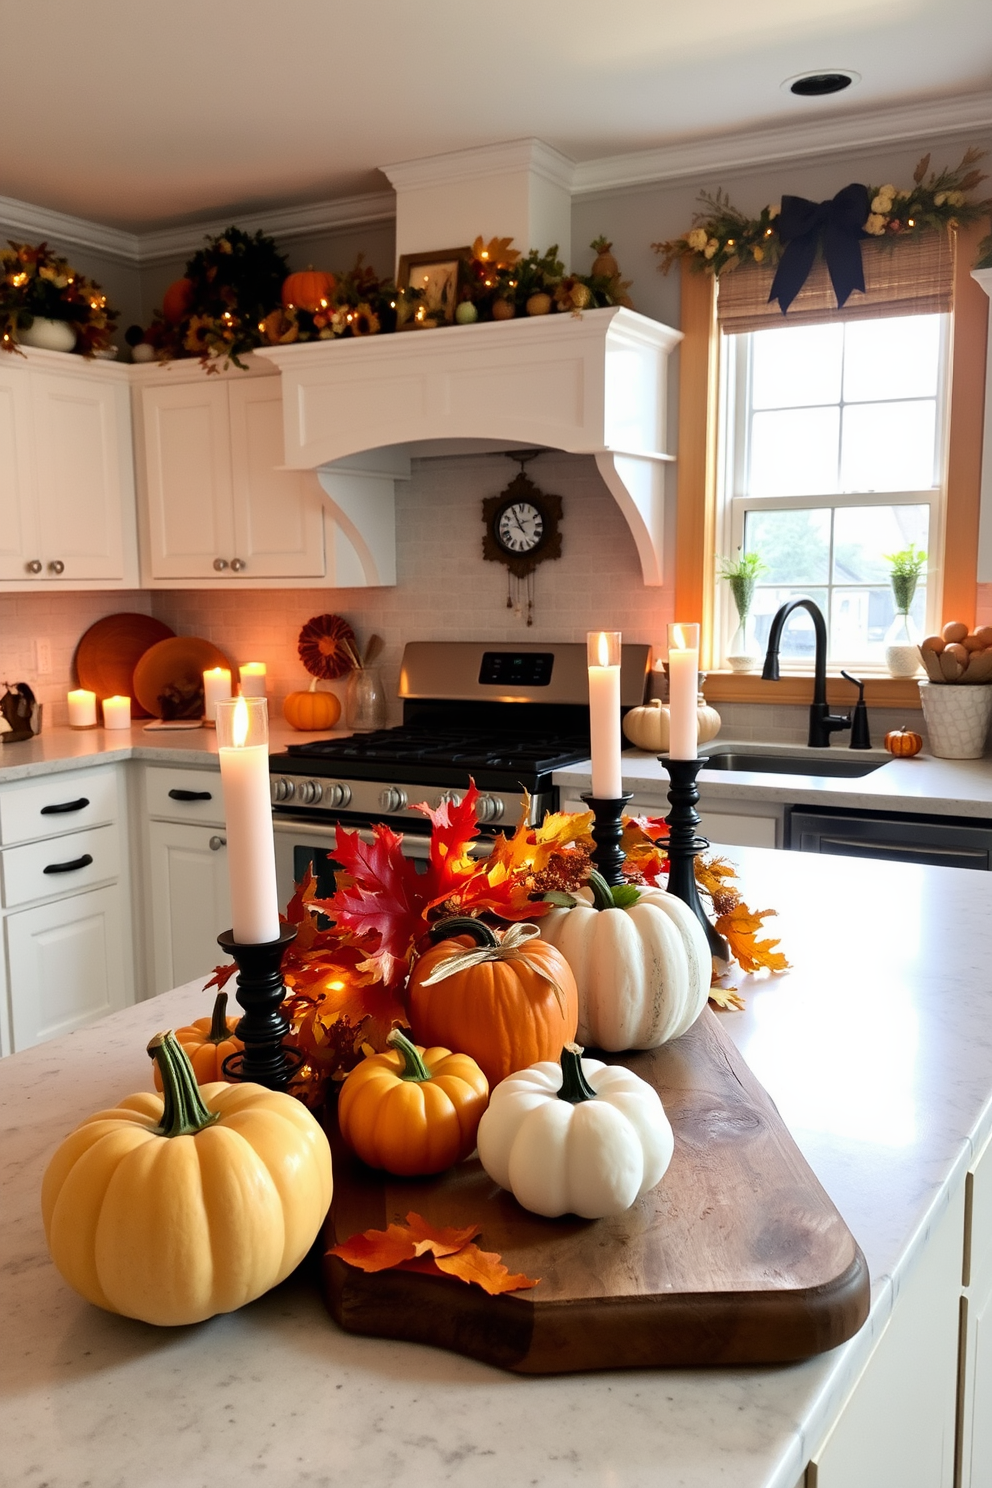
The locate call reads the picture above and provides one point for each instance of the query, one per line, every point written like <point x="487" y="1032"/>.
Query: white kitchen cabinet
<point x="976" y="1327"/>
<point x="190" y="901"/>
<point x="67" y="964"/>
<point x="67" y="517"/>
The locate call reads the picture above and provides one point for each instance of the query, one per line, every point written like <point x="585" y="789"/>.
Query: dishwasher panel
<point x="932" y="841"/>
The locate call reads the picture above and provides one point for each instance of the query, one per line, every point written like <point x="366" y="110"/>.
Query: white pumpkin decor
<point x="641" y="963"/>
<point x="581" y="1137"/>
<point x="648" y="727"/>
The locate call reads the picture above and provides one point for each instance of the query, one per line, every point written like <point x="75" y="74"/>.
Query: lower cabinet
<point x="975" y="1429"/>
<point x="189" y="898"/>
<point x="67" y="964"/>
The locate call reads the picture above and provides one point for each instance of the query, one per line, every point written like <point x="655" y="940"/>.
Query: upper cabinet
<point x="66" y="474"/>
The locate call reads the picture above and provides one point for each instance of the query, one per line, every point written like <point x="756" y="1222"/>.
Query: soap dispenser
<point x="860" y="737"/>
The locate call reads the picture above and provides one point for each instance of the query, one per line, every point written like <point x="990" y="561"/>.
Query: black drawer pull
<point x="186" y="795"/>
<point x="64" y="806"/>
<point x="83" y="862"/>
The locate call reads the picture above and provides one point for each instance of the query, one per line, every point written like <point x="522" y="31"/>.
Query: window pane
<point x="895" y="358"/>
<point x="797" y="365"/>
<point x="859" y="619"/>
<point x="794" y="453"/>
<point x="888" y="446"/>
<point x="864" y="534"/>
<point x="798" y="639"/>
<point x="795" y="545"/>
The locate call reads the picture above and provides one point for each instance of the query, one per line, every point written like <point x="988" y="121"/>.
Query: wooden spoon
<point x="373" y="650"/>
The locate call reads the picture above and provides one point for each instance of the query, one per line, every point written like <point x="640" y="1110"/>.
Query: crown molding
<point x="789" y="140"/>
<point x="29" y="221"/>
<point x="483" y="160"/>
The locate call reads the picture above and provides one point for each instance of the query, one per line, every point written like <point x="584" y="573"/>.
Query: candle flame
<point x="239" y="725"/>
<point x="679" y="640"/>
<point x="603" y="649"/>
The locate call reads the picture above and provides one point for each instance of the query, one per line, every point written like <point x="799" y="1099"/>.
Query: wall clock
<point x="522" y="531"/>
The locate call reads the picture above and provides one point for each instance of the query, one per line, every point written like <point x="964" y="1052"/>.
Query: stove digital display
<point x="516" y="668"/>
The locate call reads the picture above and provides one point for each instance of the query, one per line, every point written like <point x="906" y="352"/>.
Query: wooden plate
<point x="178" y="662"/>
<point x="109" y="651"/>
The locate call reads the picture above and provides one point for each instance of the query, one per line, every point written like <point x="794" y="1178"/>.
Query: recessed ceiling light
<point x="819" y="84"/>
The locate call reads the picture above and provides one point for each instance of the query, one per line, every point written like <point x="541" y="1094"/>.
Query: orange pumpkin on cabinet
<point x="177" y="300"/>
<point x="903" y="742"/>
<point x="310" y="289"/>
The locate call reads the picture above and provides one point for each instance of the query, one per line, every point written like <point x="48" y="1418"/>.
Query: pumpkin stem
<point x="602" y="894"/>
<point x="463" y="925"/>
<point x="218" y="1023"/>
<point x="184" y="1112"/>
<point x="575" y="1088"/>
<point x="414" y="1067"/>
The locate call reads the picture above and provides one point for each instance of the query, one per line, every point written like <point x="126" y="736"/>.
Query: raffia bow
<point x="513" y="947"/>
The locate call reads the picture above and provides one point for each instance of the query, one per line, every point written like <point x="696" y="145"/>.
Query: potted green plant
<point x="902" y="642"/>
<point x="742" y="575"/>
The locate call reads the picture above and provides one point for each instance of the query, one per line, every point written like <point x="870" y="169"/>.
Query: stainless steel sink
<point x="815" y="762"/>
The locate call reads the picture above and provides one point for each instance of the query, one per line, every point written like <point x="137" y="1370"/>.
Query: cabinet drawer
<point x="40" y="870"/>
<point x="185" y="795"/>
<point x="61" y="803"/>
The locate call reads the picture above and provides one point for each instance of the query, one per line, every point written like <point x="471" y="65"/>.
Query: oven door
<point x="300" y="844"/>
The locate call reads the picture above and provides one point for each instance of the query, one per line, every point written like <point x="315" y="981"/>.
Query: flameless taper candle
<point x="216" y="689"/>
<point x="82" y="709"/>
<point x="243" y="746"/>
<point x="253" y="679"/>
<point x="683" y="688"/>
<point x="603" y="655"/>
<point x="117" y="713"/>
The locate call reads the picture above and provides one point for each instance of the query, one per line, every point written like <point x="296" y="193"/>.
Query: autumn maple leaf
<point x="740" y="927"/>
<point x="420" y="1246"/>
<point x="386" y="899"/>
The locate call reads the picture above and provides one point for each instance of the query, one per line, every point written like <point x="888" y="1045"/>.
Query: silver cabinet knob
<point x="392" y="798"/>
<point x="220" y="564"/>
<point x="309" y="791"/>
<point x="216" y="843"/>
<point x="488" y="808"/>
<point x="34" y="567"/>
<point x="56" y="566"/>
<point x="238" y="565"/>
<point x="337" y="794"/>
<point x="281" y="789"/>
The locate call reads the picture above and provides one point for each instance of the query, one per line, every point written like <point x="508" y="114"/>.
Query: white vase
<point x="48" y="335"/>
<point x="957" y="716"/>
<point x="740" y="656"/>
<point x="902" y="647"/>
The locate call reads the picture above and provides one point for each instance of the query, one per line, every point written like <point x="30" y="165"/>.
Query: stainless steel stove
<point x="505" y="716"/>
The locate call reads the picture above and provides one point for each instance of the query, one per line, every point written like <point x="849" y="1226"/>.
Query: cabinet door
<point x="66" y="963"/>
<point x="190" y="901"/>
<point x="278" y="514"/>
<point x="18" y="526"/>
<point x="81" y="482"/>
<point x="187" y="479"/>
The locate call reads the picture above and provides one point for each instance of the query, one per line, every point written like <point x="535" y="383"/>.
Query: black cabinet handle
<point x="83" y="862"/>
<point x="64" y="806"/>
<point x="187" y="795"/>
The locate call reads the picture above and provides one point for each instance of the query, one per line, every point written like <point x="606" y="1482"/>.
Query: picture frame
<point x="441" y="274"/>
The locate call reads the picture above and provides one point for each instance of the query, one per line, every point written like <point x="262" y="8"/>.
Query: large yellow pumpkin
<point x="173" y="1208"/>
<point x="310" y="711"/>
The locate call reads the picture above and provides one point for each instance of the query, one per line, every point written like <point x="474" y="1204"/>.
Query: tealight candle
<point x="243" y="746"/>
<point x="117" y="713"/>
<point x="683" y="689"/>
<point x="253" y="679"/>
<point x="82" y="709"/>
<point x="603" y="656"/>
<point x="216" y="689"/>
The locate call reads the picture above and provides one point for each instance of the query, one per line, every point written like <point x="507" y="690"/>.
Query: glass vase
<point x="365" y="700"/>
<point x="902" y="646"/>
<point x="741" y="656"/>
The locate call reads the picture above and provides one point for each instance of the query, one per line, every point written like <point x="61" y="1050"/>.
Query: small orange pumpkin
<point x="177" y="300"/>
<point x="903" y="742"/>
<point x="310" y="289"/>
<point x="312" y="711"/>
<point x="208" y="1042"/>
<point x="515" y="1005"/>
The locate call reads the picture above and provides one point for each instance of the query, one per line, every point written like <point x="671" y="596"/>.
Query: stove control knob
<point x="449" y="798"/>
<point x="337" y="794"/>
<point x="308" y="792"/>
<point x="392" y="798"/>
<point x="281" y="789"/>
<point x="488" y="808"/>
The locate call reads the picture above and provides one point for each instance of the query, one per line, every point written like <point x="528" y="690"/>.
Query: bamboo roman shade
<point x="913" y="277"/>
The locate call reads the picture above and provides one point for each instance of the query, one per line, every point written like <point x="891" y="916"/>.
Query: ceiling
<point x="142" y="115"/>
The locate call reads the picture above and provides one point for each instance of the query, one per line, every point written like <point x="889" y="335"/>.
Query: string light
<point x="911" y="222"/>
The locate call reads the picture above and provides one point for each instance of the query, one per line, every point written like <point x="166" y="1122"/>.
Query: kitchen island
<point x="877" y="1048"/>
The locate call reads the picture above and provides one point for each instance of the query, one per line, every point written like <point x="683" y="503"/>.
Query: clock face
<point x="520" y="527"/>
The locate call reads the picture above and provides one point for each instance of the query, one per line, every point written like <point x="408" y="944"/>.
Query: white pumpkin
<point x="642" y="971"/>
<point x="581" y="1137"/>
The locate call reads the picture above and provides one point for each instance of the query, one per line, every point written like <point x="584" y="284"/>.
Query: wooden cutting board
<point x="737" y="1257"/>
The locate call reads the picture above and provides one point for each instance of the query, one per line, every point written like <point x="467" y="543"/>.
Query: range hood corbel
<point x="592" y="384"/>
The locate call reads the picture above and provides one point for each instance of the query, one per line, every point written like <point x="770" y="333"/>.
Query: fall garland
<point x="36" y="283"/>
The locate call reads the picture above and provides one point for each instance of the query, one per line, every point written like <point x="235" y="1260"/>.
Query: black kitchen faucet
<point x="822" y="723"/>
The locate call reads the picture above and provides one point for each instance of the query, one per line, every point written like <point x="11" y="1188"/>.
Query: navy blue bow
<point x="837" y="226"/>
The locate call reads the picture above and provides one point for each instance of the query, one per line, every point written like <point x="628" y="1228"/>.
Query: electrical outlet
<point x="43" y="656"/>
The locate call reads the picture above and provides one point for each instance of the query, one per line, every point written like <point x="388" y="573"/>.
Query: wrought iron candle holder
<point x="607" y="831"/>
<point x="684" y="843"/>
<point x="260" y="990"/>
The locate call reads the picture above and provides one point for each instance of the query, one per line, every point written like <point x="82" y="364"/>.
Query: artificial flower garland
<point x="36" y="283"/>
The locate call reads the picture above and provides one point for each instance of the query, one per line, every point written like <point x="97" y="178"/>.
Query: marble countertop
<point x="877" y="1048"/>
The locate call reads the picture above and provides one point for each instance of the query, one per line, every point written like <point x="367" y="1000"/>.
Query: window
<point x="832" y="456"/>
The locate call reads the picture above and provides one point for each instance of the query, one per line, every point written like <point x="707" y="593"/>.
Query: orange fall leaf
<point x="420" y="1246"/>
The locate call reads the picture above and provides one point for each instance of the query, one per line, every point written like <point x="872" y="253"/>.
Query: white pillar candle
<point x="603" y="656"/>
<point x="683" y="687"/>
<point x="82" y="708"/>
<point x="117" y="713"/>
<point x="243" y="746"/>
<point x="216" y="689"/>
<point x="253" y="679"/>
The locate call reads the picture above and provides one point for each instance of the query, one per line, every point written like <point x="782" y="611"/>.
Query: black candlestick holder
<point x="684" y="843"/>
<point x="607" y="831"/>
<point x="261" y="992"/>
